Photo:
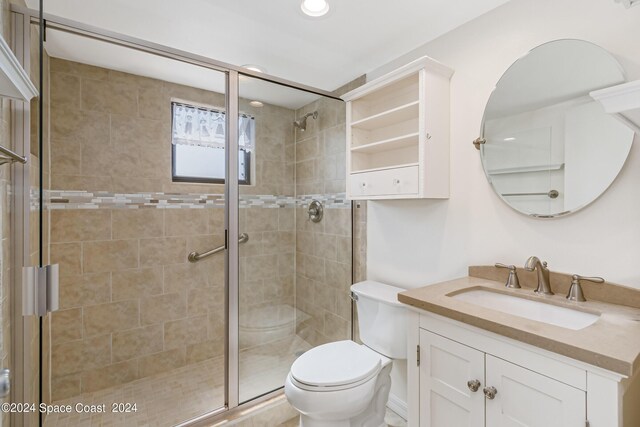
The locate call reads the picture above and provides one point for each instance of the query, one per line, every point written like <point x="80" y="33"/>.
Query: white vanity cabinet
<point x="522" y="397"/>
<point x="451" y="365"/>
<point x="398" y="134"/>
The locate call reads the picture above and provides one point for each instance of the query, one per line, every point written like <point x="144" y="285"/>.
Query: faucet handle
<point x="575" y="291"/>
<point x="512" y="280"/>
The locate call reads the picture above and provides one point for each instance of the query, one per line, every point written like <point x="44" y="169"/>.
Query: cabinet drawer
<point x="385" y="182"/>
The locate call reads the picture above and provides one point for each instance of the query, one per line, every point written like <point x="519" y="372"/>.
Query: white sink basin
<point x="534" y="310"/>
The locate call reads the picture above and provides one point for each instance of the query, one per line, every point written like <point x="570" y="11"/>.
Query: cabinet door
<point x="445" y="398"/>
<point x="525" y="398"/>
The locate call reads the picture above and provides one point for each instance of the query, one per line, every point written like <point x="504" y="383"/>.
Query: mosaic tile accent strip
<point x="106" y="200"/>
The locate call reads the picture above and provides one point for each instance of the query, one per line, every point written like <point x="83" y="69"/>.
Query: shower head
<point x="301" y="123"/>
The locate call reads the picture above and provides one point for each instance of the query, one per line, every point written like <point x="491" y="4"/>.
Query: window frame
<point x="201" y="180"/>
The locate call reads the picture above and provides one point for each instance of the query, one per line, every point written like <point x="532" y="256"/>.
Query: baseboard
<point x="398" y="406"/>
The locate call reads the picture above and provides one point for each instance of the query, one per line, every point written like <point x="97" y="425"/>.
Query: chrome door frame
<point x="20" y="202"/>
<point x="21" y="176"/>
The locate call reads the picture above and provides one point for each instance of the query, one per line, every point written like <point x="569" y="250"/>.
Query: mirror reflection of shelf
<point x="623" y="101"/>
<point x="526" y="169"/>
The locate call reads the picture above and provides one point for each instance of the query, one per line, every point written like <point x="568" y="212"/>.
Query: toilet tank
<point x="382" y="320"/>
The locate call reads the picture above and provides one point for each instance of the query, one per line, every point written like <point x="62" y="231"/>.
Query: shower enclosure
<point x="174" y="191"/>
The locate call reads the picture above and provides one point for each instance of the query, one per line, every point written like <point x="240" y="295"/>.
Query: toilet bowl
<point x="345" y="384"/>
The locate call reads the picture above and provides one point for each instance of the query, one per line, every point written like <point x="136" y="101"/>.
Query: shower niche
<point x="398" y="134"/>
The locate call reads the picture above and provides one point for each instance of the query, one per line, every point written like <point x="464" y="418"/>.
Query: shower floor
<point x="187" y="392"/>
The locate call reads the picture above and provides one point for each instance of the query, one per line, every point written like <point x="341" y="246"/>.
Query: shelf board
<point x="404" y="165"/>
<point x="395" y="115"/>
<point x="526" y="169"/>
<point x="387" y="144"/>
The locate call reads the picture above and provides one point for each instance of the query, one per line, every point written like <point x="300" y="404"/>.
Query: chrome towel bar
<point x="195" y="256"/>
<point x="8" y="156"/>
<point x="553" y="194"/>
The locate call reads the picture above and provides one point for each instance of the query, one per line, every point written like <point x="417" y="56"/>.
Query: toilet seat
<point x="336" y="366"/>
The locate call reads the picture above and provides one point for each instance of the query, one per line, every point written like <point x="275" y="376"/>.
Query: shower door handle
<point x="195" y="256"/>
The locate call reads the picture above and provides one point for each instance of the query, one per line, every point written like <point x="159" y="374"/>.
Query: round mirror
<point x="549" y="148"/>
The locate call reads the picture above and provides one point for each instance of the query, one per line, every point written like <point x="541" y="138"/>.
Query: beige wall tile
<point x="65" y="157"/>
<point x="137" y="342"/>
<point x="78" y="225"/>
<point x="171" y="250"/>
<point x="163" y="308"/>
<point x="162" y="362"/>
<point x="265" y="266"/>
<point x="66" y="325"/>
<point x="186" y="222"/>
<point x="81" y="355"/>
<point x="111" y="317"/>
<point x="65" y="387"/>
<point x="109" y="96"/>
<point x="64" y="90"/>
<point x="200" y="301"/>
<point x="86" y="126"/>
<point x="338" y="221"/>
<point x="204" y="350"/>
<point x="130" y="284"/>
<point x="81" y="183"/>
<point x="180" y="333"/>
<point x="87" y="289"/>
<point x="76" y="68"/>
<point x="109" y="376"/>
<point x="134" y="223"/>
<point x="261" y="219"/>
<point x="69" y="256"/>
<point x="184" y="277"/>
<point x="110" y="255"/>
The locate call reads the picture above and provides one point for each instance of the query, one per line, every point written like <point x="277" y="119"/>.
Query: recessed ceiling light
<point x="510" y="139"/>
<point x="314" y="8"/>
<point x="256" y="68"/>
<point x="256" y="104"/>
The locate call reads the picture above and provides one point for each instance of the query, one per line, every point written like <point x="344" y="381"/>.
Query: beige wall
<point x="131" y="304"/>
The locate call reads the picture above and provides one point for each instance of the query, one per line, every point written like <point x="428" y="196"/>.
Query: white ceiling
<point x="356" y="36"/>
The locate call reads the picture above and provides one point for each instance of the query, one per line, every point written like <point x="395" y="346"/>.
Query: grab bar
<point x="8" y="156"/>
<point x="553" y="194"/>
<point x="195" y="256"/>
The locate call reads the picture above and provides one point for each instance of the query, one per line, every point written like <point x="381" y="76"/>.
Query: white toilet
<point x="344" y="384"/>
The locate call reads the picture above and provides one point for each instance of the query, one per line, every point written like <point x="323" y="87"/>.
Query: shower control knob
<point x="473" y="385"/>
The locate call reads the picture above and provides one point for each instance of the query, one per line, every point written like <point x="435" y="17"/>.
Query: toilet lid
<point x="334" y="364"/>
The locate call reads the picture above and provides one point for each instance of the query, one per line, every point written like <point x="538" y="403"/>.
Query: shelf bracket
<point x="479" y="141"/>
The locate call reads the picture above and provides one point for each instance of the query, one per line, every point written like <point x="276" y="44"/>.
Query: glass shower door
<point x="294" y="273"/>
<point x="136" y="185"/>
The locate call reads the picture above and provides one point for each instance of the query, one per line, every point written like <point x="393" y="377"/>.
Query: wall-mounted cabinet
<point x="398" y="134"/>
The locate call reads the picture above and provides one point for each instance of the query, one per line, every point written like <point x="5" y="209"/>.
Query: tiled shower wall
<point x="131" y="304"/>
<point x="324" y="249"/>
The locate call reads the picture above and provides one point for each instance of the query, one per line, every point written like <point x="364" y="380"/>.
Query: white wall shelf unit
<point x="398" y="134"/>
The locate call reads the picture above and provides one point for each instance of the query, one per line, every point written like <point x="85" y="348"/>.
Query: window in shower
<point x="198" y="144"/>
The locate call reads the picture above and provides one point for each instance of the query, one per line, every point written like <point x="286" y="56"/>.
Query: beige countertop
<point x="612" y="342"/>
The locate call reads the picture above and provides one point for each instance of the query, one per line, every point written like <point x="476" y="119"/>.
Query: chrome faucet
<point x="544" y="286"/>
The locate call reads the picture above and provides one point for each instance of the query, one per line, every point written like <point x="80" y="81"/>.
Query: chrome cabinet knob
<point x="396" y="181"/>
<point x="490" y="392"/>
<point x="473" y="385"/>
